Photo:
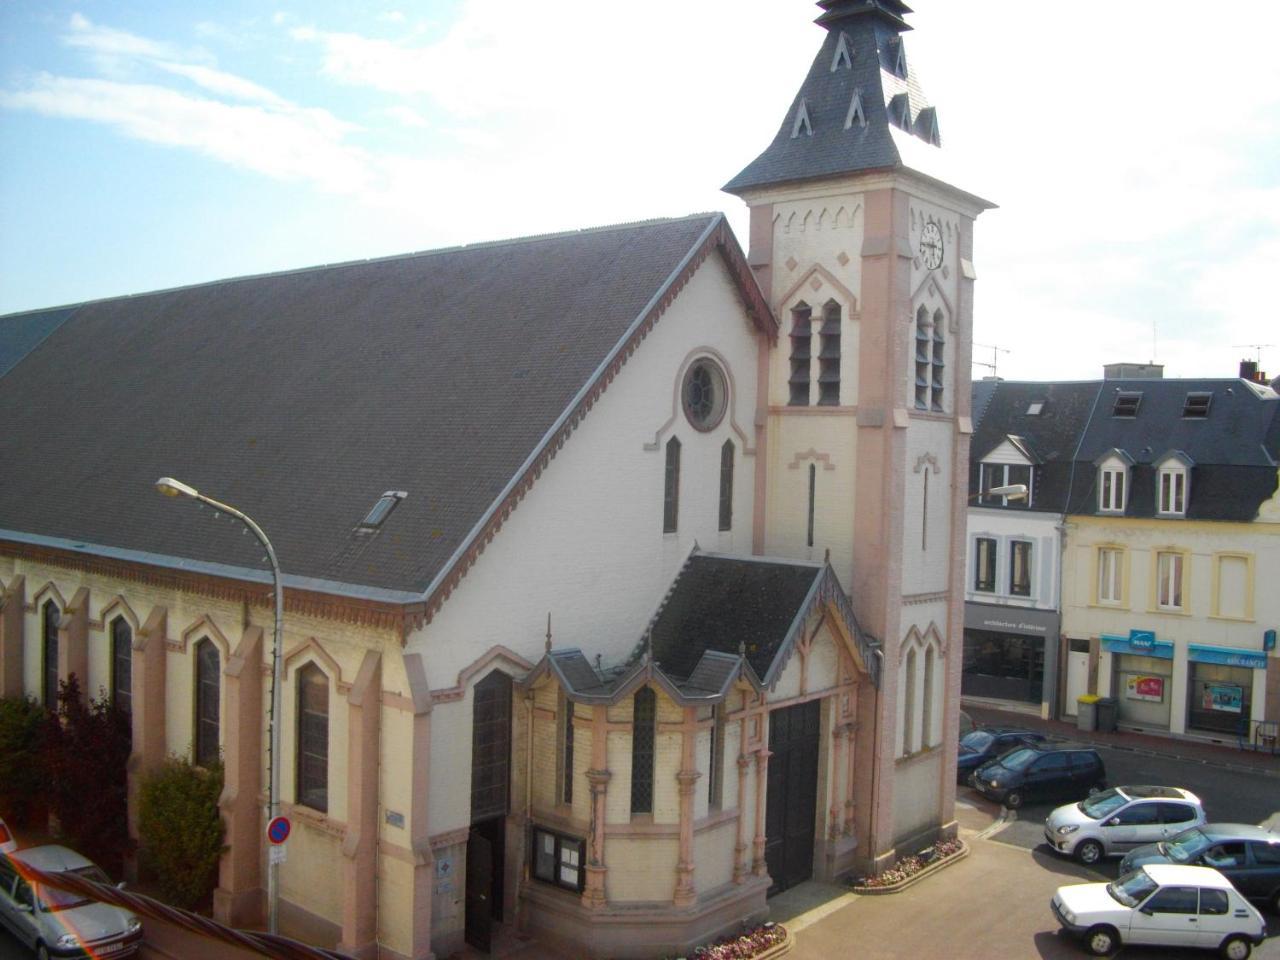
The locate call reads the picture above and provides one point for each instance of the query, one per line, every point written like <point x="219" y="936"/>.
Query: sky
<point x="1133" y="148"/>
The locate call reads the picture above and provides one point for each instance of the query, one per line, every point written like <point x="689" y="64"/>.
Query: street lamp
<point x="1013" y="491"/>
<point x="174" y="488"/>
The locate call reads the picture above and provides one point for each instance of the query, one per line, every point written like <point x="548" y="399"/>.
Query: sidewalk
<point x="1228" y="757"/>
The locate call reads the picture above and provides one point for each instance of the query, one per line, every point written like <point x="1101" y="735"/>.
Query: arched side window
<point x="49" y="623"/>
<point x="829" y="356"/>
<point x="801" y="354"/>
<point x="726" y="485"/>
<point x="908" y="715"/>
<point x="671" y="488"/>
<point x="643" y="723"/>
<point x="313" y="738"/>
<point x="208" y="696"/>
<point x="122" y="664"/>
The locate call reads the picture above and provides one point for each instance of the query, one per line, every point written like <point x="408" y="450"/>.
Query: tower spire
<point x="892" y="12"/>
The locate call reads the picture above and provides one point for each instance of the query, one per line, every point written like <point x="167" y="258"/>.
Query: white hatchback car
<point x="1165" y="904"/>
<point x="1116" y="821"/>
<point x="57" y="923"/>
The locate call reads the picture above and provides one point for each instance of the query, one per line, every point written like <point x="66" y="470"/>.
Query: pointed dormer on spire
<point x="859" y="97"/>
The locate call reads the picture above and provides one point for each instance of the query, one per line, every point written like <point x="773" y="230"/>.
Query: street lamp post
<point x="175" y="488"/>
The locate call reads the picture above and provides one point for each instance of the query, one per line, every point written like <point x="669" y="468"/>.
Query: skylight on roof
<point x="1196" y="406"/>
<point x="386" y="503"/>
<point x="1127" y="403"/>
<point x="1035" y="408"/>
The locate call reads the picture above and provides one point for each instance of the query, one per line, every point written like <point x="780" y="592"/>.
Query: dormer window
<point x="1113" y="485"/>
<point x="1035" y="408"/>
<point x="1173" y="484"/>
<point x="993" y="475"/>
<point x="1196" y="406"/>
<point x="381" y="510"/>
<point x="1127" y="403"/>
<point x="900" y="111"/>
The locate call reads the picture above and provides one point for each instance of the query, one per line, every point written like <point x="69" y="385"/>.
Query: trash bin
<point x="1107" y="708"/>
<point x="1087" y="713"/>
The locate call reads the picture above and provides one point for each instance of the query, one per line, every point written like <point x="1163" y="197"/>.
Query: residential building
<point x="622" y="570"/>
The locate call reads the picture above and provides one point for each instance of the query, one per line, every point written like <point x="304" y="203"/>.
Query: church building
<point x="623" y="570"/>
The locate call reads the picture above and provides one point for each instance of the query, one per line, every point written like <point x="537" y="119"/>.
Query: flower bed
<point x="913" y="868"/>
<point x="764" y="942"/>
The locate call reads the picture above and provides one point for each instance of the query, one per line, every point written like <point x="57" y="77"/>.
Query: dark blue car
<point x="980" y="746"/>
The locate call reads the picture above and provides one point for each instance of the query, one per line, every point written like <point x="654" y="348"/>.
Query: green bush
<point x="180" y="830"/>
<point x="21" y="764"/>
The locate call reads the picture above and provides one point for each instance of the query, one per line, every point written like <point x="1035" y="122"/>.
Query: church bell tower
<point x="865" y="252"/>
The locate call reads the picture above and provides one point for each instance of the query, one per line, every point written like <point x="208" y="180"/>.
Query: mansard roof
<point x="723" y="617"/>
<point x="1231" y="443"/>
<point x="301" y="397"/>
<point x="863" y="57"/>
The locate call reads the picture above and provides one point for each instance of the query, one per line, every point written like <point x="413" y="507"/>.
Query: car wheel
<point x="1089" y="851"/>
<point x="1236" y="947"/>
<point x="1013" y="799"/>
<point x="1101" y="941"/>
<point x="1275" y="902"/>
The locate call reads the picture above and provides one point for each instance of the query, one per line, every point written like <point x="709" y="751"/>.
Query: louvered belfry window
<point x="642" y="737"/>
<point x="801" y="353"/>
<point x="829" y="356"/>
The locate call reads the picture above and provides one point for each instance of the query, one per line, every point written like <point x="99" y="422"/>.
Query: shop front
<point x="1220" y="694"/>
<point x="1010" y="655"/>
<point x="1141" y="678"/>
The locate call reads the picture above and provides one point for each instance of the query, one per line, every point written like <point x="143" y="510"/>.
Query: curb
<point x="911" y="881"/>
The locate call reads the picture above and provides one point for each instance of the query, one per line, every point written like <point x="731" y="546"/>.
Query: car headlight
<point x="1067" y="828"/>
<point x="68" y="940"/>
<point x="1068" y="916"/>
<point x="994" y="783"/>
<point x="133" y="926"/>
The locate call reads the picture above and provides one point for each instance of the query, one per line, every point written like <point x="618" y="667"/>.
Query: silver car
<point x="58" y="923"/>
<point x="1113" y="822"/>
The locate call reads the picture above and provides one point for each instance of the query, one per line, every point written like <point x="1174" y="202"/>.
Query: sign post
<point x="277" y="833"/>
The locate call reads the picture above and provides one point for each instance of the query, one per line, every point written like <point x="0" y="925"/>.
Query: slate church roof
<point x="723" y="617"/>
<point x="302" y="397"/>
<point x="859" y="94"/>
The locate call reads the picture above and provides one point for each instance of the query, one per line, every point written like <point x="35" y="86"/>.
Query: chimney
<point x="1248" y="370"/>
<point x="1133" y="371"/>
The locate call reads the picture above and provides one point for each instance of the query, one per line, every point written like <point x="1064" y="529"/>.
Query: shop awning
<point x="1162" y="649"/>
<point x="1229" y="656"/>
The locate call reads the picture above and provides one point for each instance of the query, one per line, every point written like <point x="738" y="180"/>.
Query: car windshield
<point x="1184" y="846"/>
<point x="1102" y="804"/>
<point x="977" y="741"/>
<point x="54" y="899"/>
<point x="1018" y="759"/>
<point x="1132" y="888"/>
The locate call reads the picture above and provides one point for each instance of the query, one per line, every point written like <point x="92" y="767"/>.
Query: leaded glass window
<point x="643" y="721"/>
<point x="313" y="738"/>
<point x="122" y="664"/>
<point x="208" y="695"/>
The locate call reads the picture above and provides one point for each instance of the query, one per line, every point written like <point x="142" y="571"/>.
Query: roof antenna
<point x="826" y="556"/>
<point x="742" y="649"/>
<point x="548" y="631"/>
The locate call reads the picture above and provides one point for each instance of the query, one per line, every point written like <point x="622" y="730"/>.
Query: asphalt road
<point x="1228" y="796"/>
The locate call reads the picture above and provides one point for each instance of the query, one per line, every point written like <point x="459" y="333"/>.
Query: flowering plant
<point x="908" y="867"/>
<point x="744" y="946"/>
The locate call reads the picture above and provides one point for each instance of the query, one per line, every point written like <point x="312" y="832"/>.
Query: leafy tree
<point x="180" y="830"/>
<point x="21" y="760"/>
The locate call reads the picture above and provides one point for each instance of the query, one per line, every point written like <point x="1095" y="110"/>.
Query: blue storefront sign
<point x="1146" y="645"/>
<point x="1227" y="656"/>
<point x="1268" y="640"/>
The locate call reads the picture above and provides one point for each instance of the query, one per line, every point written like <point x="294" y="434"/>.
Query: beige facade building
<point x="623" y="570"/>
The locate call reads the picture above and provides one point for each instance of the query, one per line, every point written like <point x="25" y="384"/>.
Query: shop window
<point x="1110" y="575"/>
<point x="1219" y="698"/>
<point x="984" y="579"/>
<point x="558" y="859"/>
<point x="1169" y="580"/>
<point x="1020" y="568"/>
<point x="313" y="738"/>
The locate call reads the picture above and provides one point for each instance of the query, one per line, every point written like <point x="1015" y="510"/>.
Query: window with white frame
<point x="1171" y="488"/>
<point x="984" y="565"/>
<point x="558" y="859"/>
<point x="1169" y="569"/>
<point x="1020" y="568"/>
<point x="1110" y="575"/>
<point x="1112" y="483"/>
<point x="992" y="475"/>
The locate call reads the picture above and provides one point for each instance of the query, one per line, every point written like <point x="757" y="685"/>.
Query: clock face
<point x="931" y="245"/>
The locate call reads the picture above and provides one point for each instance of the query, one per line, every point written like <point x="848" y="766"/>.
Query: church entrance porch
<point x="791" y="811"/>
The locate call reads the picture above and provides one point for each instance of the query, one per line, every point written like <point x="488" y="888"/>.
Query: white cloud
<point x="225" y="84"/>
<point x="407" y="116"/>
<point x="104" y="40"/>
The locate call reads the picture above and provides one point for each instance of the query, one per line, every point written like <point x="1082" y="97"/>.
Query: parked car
<point x="981" y="746"/>
<point x="1166" y="905"/>
<point x="1248" y="856"/>
<point x="1051" y="770"/>
<point x="58" y="923"/>
<point x="7" y="842"/>
<point x="966" y="723"/>
<point x="1116" y="821"/>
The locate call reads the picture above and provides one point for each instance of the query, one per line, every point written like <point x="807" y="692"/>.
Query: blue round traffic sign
<point x="278" y="830"/>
